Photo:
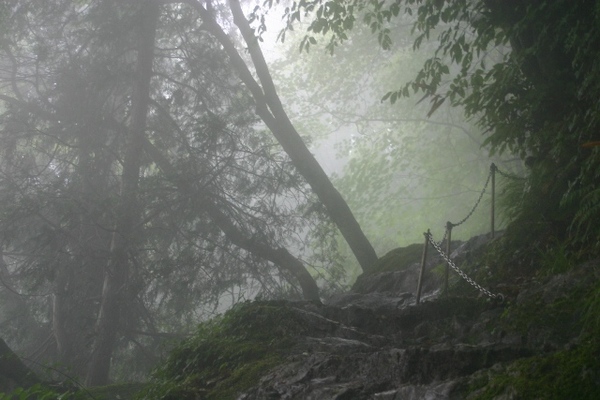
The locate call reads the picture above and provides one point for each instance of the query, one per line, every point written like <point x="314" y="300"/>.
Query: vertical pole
<point x="493" y="173"/>
<point x="423" y="261"/>
<point x="448" y="240"/>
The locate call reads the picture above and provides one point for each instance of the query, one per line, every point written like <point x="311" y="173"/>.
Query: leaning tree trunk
<point x="280" y="256"/>
<point x="271" y="111"/>
<point x="117" y="270"/>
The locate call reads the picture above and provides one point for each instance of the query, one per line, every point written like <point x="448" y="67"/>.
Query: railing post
<point x="449" y="226"/>
<point x="493" y="176"/>
<point x="423" y="261"/>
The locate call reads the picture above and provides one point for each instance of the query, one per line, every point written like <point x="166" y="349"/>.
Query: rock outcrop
<point x="376" y="343"/>
<point x="369" y="350"/>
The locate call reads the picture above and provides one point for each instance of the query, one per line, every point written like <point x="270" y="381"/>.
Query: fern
<point x="585" y="225"/>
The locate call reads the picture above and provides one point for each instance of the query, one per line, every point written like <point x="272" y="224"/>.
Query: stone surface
<point x="376" y="343"/>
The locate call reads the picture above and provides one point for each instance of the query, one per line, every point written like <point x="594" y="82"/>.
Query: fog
<point x="417" y="171"/>
<point x="154" y="171"/>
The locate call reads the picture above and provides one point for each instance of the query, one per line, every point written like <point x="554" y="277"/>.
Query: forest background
<point x="154" y="167"/>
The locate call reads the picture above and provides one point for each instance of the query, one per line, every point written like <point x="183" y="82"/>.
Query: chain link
<point x="444" y="238"/>
<point x="483" y="290"/>
<point x="478" y="200"/>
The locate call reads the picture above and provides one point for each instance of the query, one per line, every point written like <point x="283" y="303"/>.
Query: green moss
<point x="227" y="355"/>
<point x="568" y="374"/>
<point x="591" y="316"/>
<point x="120" y="391"/>
<point x="41" y="392"/>
<point x="560" y="319"/>
<point x="399" y="259"/>
<point x="244" y="377"/>
<point x="556" y="259"/>
<point x="572" y="373"/>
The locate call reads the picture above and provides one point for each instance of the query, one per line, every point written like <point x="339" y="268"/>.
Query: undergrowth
<point x="227" y="355"/>
<point x="566" y="374"/>
<point x="41" y="392"/>
<point x="569" y="322"/>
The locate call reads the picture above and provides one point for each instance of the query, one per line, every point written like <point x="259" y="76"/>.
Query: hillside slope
<point x="376" y="343"/>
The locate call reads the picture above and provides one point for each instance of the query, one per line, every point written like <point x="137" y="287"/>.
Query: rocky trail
<point x="374" y="342"/>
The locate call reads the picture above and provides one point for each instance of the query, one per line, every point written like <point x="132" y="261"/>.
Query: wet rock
<point x="438" y="391"/>
<point x="398" y="270"/>
<point x="376" y="300"/>
<point x="388" y="350"/>
<point x="381" y="345"/>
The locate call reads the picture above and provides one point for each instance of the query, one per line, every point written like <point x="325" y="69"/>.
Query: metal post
<point x="449" y="226"/>
<point x="423" y="261"/>
<point x="493" y="173"/>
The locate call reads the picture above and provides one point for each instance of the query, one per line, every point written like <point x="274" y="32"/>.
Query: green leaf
<point x="348" y="23"/>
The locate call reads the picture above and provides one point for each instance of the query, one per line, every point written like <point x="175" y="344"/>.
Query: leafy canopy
<point x="525" y="71"/>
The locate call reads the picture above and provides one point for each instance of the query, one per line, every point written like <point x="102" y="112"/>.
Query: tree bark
<point x="59" y="309"/>
<point x="271" y="111"/>
<point x="82" y="277"/>
<point x="12" y="368"/>
<point x="278" y="256"/>
<point x="117" y="269"/>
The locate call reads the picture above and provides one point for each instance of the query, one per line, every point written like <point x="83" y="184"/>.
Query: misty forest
<point x="184" y="184"/>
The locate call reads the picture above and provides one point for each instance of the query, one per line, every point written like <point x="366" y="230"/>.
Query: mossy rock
<point x="398" y="259"/>
<point x="228" y="354"/>
<point x="119" y="391"/>
<point x="567" y="374"/>
<point x="569" y="319"/>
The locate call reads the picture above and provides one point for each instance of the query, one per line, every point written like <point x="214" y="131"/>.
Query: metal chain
<point x="444" y="238"/>
<point x="478" y="201"/>
<point x="483" y="290"/>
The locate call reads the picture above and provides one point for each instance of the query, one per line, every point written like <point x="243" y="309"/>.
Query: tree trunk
<point x="278" y="256"/>
<point x="13" y="373"/>
<point x="14" y="305"/>
<point x="271" y="111"/>
<point x="82" y="277"/>
<point x="64" y="346"/>
<point x="117" y="270"/>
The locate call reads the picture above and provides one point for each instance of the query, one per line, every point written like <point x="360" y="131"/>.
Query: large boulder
<point x="398" y="270"/>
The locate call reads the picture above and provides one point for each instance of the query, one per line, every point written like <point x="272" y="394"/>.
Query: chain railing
<point x="460" y="272"/>
<point x="447" y="232"/>
<point x="487" y="182"/>
<point x="448" y="237"/>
